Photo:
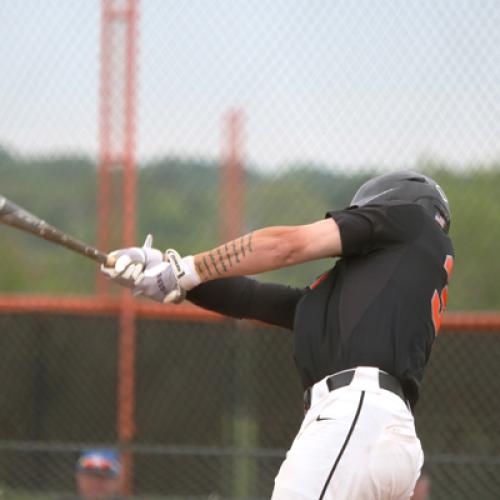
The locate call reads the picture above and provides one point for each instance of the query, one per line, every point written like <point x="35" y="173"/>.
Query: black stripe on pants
<point x="337" y="460"/>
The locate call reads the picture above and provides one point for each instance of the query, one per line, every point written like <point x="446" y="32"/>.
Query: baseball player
<point x="362" y="331"/>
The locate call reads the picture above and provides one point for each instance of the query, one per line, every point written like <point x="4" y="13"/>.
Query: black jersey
<point x="381" y="304"/>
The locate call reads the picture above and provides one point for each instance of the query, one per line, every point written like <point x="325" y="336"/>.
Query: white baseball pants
<point x="357" y="442"/>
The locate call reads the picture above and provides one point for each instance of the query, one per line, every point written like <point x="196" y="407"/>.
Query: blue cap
<point x="99" y="462"/>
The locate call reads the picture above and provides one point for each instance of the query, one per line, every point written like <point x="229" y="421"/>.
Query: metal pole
<point x="232" y="179"/>
<point x="117" y="191"/>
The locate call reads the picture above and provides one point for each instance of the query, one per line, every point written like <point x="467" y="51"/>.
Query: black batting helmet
<point x="409" y="186"/>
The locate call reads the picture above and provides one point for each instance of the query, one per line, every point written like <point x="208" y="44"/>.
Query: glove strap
<point x="184" y="270"/>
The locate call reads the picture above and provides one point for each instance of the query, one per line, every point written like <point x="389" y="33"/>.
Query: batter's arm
<point x="246" y="298"/>
<point x="257" y="252"/>
<point x="269" y="249"/>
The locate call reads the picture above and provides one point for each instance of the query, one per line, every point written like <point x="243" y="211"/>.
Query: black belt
<point x="338" y="380"/>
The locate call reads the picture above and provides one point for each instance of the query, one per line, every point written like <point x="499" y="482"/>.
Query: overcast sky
<point x="339" y="83"/>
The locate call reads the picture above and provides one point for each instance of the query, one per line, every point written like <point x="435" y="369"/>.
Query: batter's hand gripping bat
<point x="20" y="218"/>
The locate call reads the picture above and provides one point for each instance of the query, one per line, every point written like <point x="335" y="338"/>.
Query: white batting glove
<point x="168" y="282"/>
<point x="158" y="282"/>
<point x="130" y="263"/>
<point x="184" y="269"/>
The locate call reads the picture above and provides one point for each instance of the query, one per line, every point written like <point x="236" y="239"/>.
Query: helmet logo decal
<point x="365" y="201"/>
<point x="441" y="192"/>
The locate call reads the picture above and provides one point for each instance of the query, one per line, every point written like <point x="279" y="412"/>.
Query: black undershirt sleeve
<point x="247" y="298"/>
<point x="369" y="228"/>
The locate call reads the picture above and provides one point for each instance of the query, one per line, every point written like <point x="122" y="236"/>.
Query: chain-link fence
<point x="218" y="404"/>
<point x="329" y="93"/>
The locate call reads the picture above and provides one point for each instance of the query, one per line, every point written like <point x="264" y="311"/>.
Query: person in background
<point x="98" y="474"/>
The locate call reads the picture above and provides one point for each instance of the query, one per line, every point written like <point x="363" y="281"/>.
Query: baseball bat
<point x="15" y="216"/>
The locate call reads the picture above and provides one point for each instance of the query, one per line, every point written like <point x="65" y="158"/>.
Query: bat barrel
<point x="16" y="216"/>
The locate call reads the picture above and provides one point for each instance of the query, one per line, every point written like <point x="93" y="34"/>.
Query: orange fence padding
<point x="454" y="321"/>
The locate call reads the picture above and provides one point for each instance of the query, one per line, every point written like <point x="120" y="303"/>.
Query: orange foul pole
<point x="117" y="190"/>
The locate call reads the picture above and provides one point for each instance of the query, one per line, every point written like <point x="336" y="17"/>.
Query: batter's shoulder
<point x="374" y="226"/>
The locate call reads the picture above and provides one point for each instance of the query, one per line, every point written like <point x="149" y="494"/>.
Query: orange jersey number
<point x="439" y="300"/>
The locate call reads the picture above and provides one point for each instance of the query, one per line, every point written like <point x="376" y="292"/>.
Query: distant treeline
<point x="178" y="202"/>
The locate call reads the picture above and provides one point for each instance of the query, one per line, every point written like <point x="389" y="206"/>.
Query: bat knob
<point x="110" y="261"/>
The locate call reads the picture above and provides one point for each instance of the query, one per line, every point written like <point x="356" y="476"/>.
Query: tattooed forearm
<point x="235" y="250"/>
<point x="245" y="247"/>
<point x="214" y="264"/>
<point x="228" y="255"/>
<point x="242" y="246"/>
<point x="249" y="243"/>
<point x="221" y="260"/>
<point x="206" y="266"/>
